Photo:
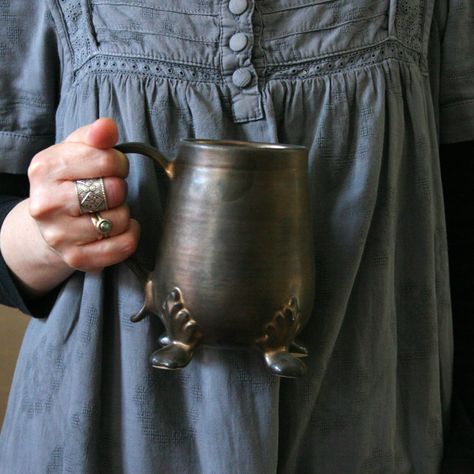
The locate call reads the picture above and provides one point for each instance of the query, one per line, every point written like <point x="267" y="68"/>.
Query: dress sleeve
<point x="29" y="78"/>
<point x="453" y="45"/>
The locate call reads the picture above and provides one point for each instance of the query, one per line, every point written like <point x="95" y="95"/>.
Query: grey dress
<point x="371" y="88"/>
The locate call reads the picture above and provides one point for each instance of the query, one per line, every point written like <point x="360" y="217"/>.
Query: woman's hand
<point x="45" y="238"/>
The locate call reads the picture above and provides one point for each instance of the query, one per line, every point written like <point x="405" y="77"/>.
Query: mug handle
<point x="144" y="276"/>
<point x="150" y="152"/>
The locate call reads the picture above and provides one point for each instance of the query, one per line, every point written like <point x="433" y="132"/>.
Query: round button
<point x="241" y="77"/>
<point x="238" y="42"/>
<point x="237" y="7"/>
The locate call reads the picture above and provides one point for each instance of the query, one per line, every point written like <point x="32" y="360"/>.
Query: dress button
<point x="241" y="77"/>
<point x="237" y="7"/>
<point x="238" y="42"/>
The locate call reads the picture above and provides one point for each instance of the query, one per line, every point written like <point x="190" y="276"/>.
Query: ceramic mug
<point x="235" y="262"/>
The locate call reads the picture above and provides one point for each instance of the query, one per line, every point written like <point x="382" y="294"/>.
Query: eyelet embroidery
<point x="104" y="64"/>
<point x="410" y="23"/>
<point x="329" y="65"/>
<point x="76" y="23"/>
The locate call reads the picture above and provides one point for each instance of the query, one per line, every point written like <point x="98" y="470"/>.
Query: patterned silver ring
<point x="102" y="225"/>
<point x="91" y="195"/>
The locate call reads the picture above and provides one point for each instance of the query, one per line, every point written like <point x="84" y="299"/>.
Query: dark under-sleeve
<point x="13" y="189"/>
<point x="457" y="165"/>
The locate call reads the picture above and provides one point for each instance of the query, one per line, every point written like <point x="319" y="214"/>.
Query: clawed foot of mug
<point x="172" y="357"/>
<point x="148" y="306"/>
<point x="137" y="317"/>
<point x="298" y="349"/>
<point x="164" y="340"/>
<point x="278" y="343"/>
<point x="285" y="364"/>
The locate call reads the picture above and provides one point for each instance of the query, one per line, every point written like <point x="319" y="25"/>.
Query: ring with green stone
<point x="102" y="225"/>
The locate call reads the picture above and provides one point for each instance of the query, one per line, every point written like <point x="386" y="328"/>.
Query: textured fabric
<point x="369" y="88"/>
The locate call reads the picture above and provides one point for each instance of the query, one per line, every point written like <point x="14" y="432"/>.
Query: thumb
<point x="103" y="133"/>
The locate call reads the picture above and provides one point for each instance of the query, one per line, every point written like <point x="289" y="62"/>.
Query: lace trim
<point x="120" y="65"/>
<point x="409" y="22"/>
<point x="76" y="21"/>
<point x="344" y="62"/>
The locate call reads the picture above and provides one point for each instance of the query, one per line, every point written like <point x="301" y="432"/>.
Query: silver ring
<point x="91" y="195"/>
<point x="102" y="225"/>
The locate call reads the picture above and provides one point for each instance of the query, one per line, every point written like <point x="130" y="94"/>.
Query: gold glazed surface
<point x="235" y="261"/>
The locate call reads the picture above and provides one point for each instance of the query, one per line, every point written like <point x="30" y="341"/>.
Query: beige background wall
<point x="12" y="327"/>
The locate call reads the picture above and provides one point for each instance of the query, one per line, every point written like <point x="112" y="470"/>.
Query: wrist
<point x="36" y="266"/>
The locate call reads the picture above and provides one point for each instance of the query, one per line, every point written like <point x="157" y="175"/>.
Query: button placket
<point x="238" y="70"/>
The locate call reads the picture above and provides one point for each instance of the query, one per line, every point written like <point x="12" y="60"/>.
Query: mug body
<point x="237" y="239"/>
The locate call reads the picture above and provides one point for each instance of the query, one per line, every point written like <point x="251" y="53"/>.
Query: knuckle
<point x="75" y="258"/>
<point x="124" y="163"/>
<point x="46" y="163"/>
<point x="35" y="209"/>
<point x="53" y="236"/>
<point x="40" y="205"/>
<point x="107" y="163"/>
<point x="116" y="191"/>
<point x="38" y="166"/>
<point x="124" y="214"/>
<point x="129" y="244"/>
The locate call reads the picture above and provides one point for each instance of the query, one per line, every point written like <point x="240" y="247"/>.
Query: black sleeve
<point x="457" y="166"/>
<point x="13" y="189"/>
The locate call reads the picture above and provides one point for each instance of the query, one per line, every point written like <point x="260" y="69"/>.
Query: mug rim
<point x="238" y="144"/>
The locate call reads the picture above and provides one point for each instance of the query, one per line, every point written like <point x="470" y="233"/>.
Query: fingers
<point x="73" y="231"/>
<point x="103" y="133"/>
<point x="103" y="253"/>
<point x="53" y="171"/>
<point x="83" y="248"/>
<point x="115" y="192"/>
<point x="71" y="161"/>
<point x="87" y="232"/>
<point x="64" y="199"/>
<point x="86" y="153"/>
